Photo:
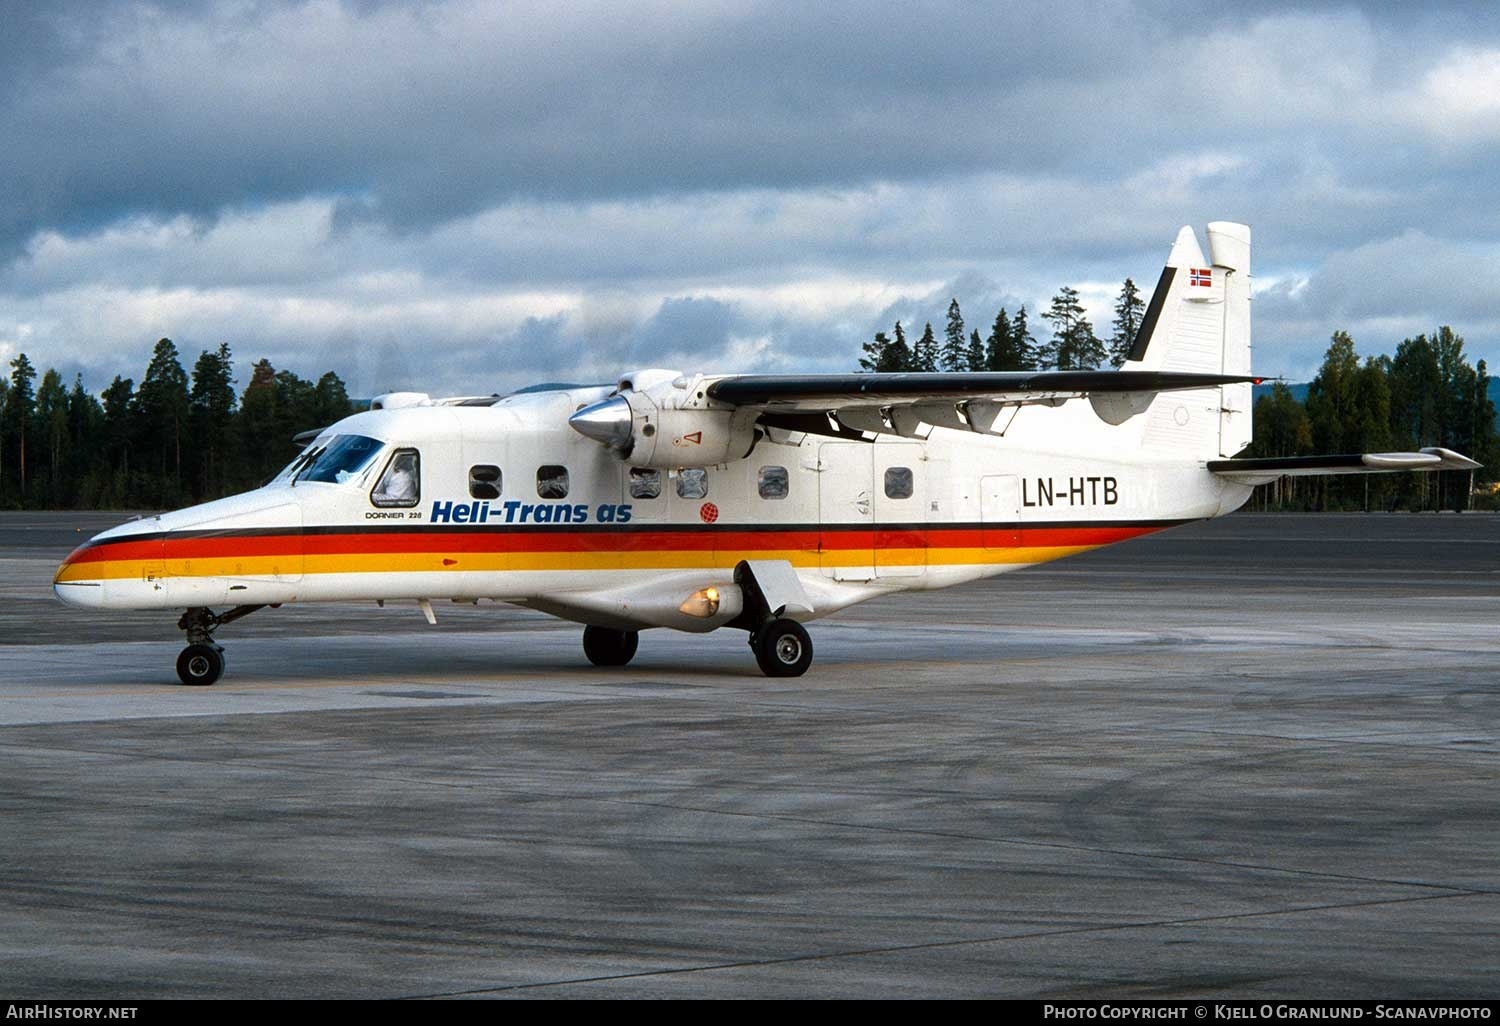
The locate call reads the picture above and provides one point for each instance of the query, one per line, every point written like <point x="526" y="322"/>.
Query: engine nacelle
<point x="669" y="424"/>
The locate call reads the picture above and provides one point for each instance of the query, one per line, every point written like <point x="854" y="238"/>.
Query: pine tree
<point x="330" y="400"/>
<point x="1022" y="343"/>
<point x="925" y="355"/>
<point x="1333" y="410"/>
<point x="52" y="423"/>
<point x="997" y="346"/>
<point x="162" y="401"/>
<point x="1332" y="397"/>
<point x="1486" y="437"/>
<point x="1073" y="345"/>
<point x="86" y="466"/>
<point x="877" y="353"/>
<point x="20" y="414"/>
<point x="1129" y="309"/>
<point x="955" y="354"/>
<point x="901" y="357"/>
<point x="1414" y="389"/>
<point x="1009" y="346"/>
<point x="212" y="409"/>
<point x="975" y="354"/>
<point x="119" y="431"/>
<point x="260" y="453"/>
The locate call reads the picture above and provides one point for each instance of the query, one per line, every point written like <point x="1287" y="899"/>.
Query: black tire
<point x="200" y="665"/>
<point x="782" y="648"/>
<point x="606" y="647"/>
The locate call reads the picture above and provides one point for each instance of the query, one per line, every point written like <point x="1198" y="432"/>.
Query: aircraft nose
<point x="608" y="421"/>
<point x="72" y="586"/>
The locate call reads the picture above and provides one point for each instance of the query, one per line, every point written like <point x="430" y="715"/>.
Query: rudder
<point x="1198" y="320"/>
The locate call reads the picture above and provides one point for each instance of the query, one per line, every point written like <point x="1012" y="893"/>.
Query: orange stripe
<point x="501" y="540"/>
<point x="501" y="550"/>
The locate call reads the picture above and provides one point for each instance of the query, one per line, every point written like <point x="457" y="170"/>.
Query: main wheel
<point x="200" y="665"/>
<point x="782" y="648"/>
<point x="606" y="647"/>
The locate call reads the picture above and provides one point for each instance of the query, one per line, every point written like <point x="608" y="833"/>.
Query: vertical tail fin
<point x="1198" y="319"/>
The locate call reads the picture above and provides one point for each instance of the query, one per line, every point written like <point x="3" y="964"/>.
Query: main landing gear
<point x="606" y="647"/>
<point x="782" y="648"/>
<point x="202" y="662"/>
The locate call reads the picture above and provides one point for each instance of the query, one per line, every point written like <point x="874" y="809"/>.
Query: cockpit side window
<point x="401" y="484"/>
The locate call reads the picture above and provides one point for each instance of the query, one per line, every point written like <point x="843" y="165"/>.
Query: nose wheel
<point x="200" y="665"/>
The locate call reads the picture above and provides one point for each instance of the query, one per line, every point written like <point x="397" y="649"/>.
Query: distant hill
<point x="1299" y="392"/>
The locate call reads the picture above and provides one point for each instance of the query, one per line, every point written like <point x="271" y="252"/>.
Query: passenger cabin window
<point x="552" y="482"/>
<point x="898" y="483"/>
<point x="773" y="483"/>
<point x="692" y="484"/>
<point x="400" y="485"/>
<point x="645" y="484"/>
<point x="484" y="482"/>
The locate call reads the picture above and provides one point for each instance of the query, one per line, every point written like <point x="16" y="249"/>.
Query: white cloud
<point x="1459" y="97"/>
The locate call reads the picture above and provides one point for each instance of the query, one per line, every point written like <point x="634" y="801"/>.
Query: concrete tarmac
<point x="1254" y="758"/>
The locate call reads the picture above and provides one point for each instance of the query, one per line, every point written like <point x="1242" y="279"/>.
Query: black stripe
<point x="1153" y="311"/>
<point x="631" y="528"/>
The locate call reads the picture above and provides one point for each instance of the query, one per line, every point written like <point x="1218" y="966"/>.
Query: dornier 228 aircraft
<point x="696" y="501"/>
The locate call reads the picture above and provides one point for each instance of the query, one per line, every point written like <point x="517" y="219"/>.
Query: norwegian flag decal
<point x="1201" y="276"/>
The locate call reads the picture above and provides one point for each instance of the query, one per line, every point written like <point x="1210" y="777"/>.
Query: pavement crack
<point x="897" y="949"/>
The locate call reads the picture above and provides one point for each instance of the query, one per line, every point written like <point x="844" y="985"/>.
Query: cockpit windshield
<point x="341" y="459"/>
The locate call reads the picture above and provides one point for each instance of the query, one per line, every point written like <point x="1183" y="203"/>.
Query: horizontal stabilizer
<point x="1264" y="471"/>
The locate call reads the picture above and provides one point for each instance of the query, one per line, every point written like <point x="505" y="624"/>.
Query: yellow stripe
<point x="494" y="562"/>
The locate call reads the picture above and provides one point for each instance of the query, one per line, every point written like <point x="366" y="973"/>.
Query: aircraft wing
<point x="848" y="404"/>
<point x="1264" y="471"/>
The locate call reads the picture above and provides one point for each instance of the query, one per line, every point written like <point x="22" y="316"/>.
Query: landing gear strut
<point x="606" y="647"/>
<point x="202" y="662"/>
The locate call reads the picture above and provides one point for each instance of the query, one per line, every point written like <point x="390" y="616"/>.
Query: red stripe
<point x="936" y="537"/>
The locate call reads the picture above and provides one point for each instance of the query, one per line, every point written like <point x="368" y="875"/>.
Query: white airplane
<point x="696" y="501"/>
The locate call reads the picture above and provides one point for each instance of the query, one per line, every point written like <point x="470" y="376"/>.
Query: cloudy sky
<point x="461" y="196"/>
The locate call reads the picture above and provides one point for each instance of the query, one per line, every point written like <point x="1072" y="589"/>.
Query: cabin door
<point x="846" y="510"/>
<point x="900" y="488"/>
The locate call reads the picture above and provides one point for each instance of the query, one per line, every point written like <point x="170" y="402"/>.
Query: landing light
<point x="703" y="602"/>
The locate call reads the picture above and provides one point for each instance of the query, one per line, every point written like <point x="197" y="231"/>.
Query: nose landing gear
<point x="202" y="662"/>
